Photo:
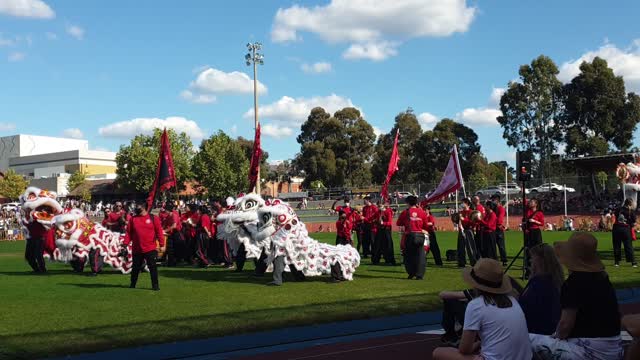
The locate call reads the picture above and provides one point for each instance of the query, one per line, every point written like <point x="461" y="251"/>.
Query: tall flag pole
<point x="165" y="173"/>
<point x="392" y="169"/>
<point x="256" y="157"/>
<point x="451" y="179"/>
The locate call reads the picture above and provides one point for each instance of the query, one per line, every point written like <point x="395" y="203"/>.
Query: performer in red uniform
<point x="143" y="230"/>
<point x="433" y="241"/>
<point x="477" y="205"/>
<point x="34" y="252"/>
<point x="534" y="222"/>
<point x="489" y="224"/>
<point x="343" y="230"/>
<point x="203" y="234"/>
<point x="414" y="221"/>
<point x="500" y="227"/>
<point x="190" y="220"/>
<point x="356" y="219"/>
<point x="466" y="240"/>
<point x="383" y="241"/>
<point x="369" y="216"/>
<point x="117" y="219"/>
<point x="346" y="207"/>
<point x="172" y="226"/>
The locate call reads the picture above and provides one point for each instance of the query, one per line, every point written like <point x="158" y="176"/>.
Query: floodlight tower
<point x="255" y="57"/>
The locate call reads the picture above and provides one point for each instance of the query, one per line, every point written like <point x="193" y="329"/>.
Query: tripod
<point x="525" y="243"/>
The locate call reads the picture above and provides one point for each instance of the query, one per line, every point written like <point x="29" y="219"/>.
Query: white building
<point x="52" y="164"/>
<point x="16" y="146"/>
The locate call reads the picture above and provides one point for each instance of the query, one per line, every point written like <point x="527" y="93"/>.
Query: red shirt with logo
<point x="370" y="214"/>
<point x="431" y="223"/>
<point x="413" y="219"/>
<point x="143" y="232"/>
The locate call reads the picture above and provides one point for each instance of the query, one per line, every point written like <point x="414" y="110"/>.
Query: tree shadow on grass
<point x="245" y="277"/>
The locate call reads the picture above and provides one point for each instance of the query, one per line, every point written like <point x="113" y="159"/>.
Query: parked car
<point x="514" y="189"/>
<point x="403" y="194"/>
<point x="549" y="187"/>
<point x="491" y="190"/>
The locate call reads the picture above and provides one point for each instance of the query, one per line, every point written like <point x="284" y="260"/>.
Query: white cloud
<point x="211" y="82"/>
<point x="276" y="131"/>
<point x="362" y="22"/>
<point x="7" y="126"/>
<point x="6" y="41"/>
<point x="130" y="128"/>
<point x="427" y="120"/>
<point x="26" y="8"/>
<point x="377" y="131"/>
<point x="197" y="98"/>
<point x="75" y="31"/>
<point x="624" y="62"/>
<point x="73" y="133"/>
<point x="316" y="68"/>
<point x="51" y="36"/>
<point x="294" y="112"/>
<point x="494" y="99"/>
<point x="16" y="56"/>
<point x="376" y="51"/>
<point x="479" y="116"/>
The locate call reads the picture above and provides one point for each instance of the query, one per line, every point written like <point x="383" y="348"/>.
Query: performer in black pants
<point x="433" y="240"/>
<point x="500" y="227"/>
<point x="96" y="261"/>
<point x="143" y="231"/>
<point x="621" y="233"/>
<point x="35" y="247"/>
<point x="384" y="241"/>
<point x="466" y="240"/>
<point x="488" y="229"/>
<point x="370" y="214"/>
<point x="534" y="221"/>
<point x="414" y="223"/>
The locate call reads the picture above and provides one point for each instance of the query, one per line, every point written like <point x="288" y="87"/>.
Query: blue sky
<point x="107" y="70"/>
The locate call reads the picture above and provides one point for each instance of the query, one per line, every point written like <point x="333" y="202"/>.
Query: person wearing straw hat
<point x="493" y="315"/>
<point x="589" y="326"/>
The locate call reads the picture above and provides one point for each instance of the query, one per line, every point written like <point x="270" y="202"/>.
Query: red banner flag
<point x="256" y="156"/>
<point x="165" y="173"/>
<point x="393" y="167"/>
<point x="451" y="179"/>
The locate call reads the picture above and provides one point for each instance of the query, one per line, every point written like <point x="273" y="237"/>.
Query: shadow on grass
<point x="99" y="338"/>
<point x="96" y="286"/>
<point x="244" y="277"/>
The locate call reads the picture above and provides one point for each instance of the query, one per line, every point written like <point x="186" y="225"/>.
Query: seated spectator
<point x="589" y="326"/>
<point x="540" y="300"/>
<point x="632" y="324"/>
<point x="493" y="315"/>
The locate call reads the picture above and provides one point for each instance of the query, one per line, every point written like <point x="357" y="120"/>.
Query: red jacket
<point x="143" y="233"/>
<point x="387" y="217"/>
<point x="113" y="220"/>
<point x="343" y="229"/>
<point x="413" y="219"/>
<point x="370" y="213"/>
<point x="466" y="221"/>
<point x="205" y="223"/>
<point x="489" y="222"/>
<point x="431" y="223"/>
<point x="500" y="215"/>
<point x="538" y="216"/>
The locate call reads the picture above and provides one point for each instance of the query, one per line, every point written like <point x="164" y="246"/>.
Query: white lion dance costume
<point x="78" y="238"/>
<point x="37" y="209"/>
<point x="629" y="175"/>
<point x="279" y="225"/>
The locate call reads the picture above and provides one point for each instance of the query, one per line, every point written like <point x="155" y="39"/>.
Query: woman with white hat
<point x="589" y="326"/>
<point x="494" y="316"/>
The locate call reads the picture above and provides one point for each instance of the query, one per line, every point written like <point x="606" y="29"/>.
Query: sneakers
<point x="273" y="283"/>
<point x="635" y="265"/>
<point x="155" y="288"/>
<point x="616" y="265"/>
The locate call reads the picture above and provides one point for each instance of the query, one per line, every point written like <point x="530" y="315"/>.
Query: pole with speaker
<point x="523" y="170"/>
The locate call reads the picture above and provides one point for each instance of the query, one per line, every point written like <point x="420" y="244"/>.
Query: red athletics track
<point x="411" y="345"/>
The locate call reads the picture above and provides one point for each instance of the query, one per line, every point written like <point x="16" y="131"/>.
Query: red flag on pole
<point x="393" y="167"/>
<point x="165" y="173"/>
<point x="256" y="156"/>
<point x="451" y="179"/>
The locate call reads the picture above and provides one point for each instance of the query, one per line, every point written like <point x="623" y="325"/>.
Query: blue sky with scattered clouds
<point x="107" y="70"/>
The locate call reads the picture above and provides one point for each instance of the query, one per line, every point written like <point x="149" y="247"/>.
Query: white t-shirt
<point x="503" y="332"/>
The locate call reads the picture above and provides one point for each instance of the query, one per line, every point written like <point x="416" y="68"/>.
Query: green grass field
<point x="64" y="313"/>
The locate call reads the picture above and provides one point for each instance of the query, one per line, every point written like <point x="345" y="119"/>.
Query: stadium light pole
<point x="255" y="57"/>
